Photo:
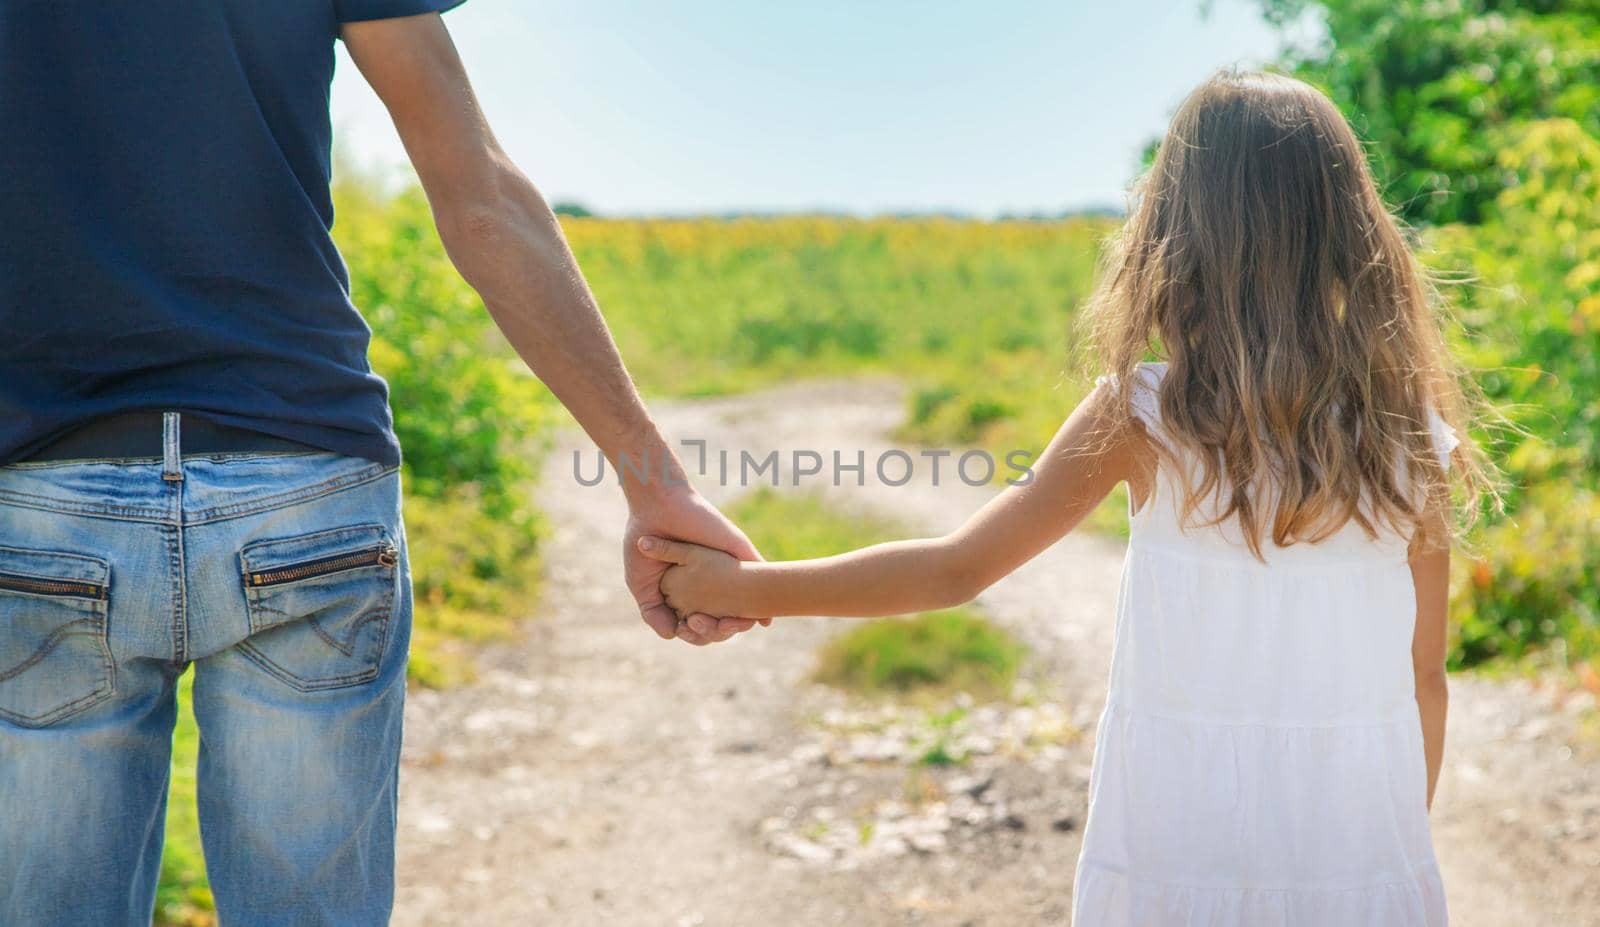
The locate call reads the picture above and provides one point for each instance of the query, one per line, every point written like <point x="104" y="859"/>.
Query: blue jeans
<point x="283" y="577"/>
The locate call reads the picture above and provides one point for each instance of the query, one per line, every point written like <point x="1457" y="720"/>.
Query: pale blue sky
<point x="650" y="106"/>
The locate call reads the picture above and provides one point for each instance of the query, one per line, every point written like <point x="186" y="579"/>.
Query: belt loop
<point x="171" y="454"/>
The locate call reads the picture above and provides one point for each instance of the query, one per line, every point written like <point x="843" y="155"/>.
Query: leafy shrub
<point x="949" y="651"/>
<point x="1535" y="587"/>
<point x="474" y="578"/>
<point x="1532" y="325"/>
<point x="1440" y="87"/>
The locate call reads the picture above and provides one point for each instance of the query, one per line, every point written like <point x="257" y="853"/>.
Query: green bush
<point x="934" y="653"/>
<point x="1531" y="319"/>
<point x="1535" y="586"/>
<point x="1441" y="86"/>
<point x="474" y="577"/>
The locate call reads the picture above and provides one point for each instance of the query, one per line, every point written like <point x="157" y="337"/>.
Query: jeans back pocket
<point x="319" y="604"/>
<point x="55" y="659"/>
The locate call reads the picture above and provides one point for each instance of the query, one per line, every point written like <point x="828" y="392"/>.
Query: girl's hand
<point x="701" y="579"/>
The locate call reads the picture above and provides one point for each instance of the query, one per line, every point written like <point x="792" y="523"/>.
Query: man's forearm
<point x="502" y="236"/>
<point x="508" y="245"/>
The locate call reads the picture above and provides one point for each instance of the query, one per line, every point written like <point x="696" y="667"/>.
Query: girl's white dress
<point x="1259" y="761"/>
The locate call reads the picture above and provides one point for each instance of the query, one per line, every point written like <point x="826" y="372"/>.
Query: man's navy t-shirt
<point x="165" y="216"/>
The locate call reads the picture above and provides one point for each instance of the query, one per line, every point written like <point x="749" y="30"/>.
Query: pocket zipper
<point x="385" y="555"/>
<point x="66" y="587"/>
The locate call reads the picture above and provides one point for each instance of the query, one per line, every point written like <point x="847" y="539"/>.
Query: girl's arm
<point x="1074" y="473"/>
<point x="1430" y="572"/>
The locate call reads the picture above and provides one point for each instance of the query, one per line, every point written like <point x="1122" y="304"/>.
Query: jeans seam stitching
<point x="180" y="643"/>
<point x="103" y="690"/>
<point x="69" y="507"/>
<point x="102" y="575"/>
<point x="255" y="655"/>
<point x="95" y="622"/>
<point x="73" y="707"/>
<point x="284" y="500"/>
<point x="349" y="649"/>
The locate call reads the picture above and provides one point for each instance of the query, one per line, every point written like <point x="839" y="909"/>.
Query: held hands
<point x="681" y="514"/>
<point x="698" y="580"/>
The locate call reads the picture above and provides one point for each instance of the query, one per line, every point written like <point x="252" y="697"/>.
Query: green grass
<point x="931" y="654"/>
<point x="977" y="317"/>
<point x="800" y="526"/>
<point x="940" y="752"/>
<point x="704" y="306"/>
<point x="184" y="897"/>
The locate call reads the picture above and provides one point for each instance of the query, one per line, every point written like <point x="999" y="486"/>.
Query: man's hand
<point x="682" y="514"/>
<point x="699" y="580"/>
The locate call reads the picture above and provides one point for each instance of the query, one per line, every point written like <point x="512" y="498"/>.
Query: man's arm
<point x="504" y="239"/>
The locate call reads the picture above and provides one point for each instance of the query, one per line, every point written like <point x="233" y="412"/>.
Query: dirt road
<point x="594" y="775"/>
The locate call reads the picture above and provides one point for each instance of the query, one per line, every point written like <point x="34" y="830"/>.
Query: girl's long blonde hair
<point x="1303" y="342"/>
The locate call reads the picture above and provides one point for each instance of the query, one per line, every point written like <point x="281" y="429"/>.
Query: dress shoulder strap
<point x="1444" y="437"/>
<point x="1145" y="395"/>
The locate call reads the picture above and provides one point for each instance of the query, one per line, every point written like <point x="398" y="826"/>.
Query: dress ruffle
<point x="1105" y="897"/>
